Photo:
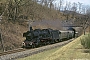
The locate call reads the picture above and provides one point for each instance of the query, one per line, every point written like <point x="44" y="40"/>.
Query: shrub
<point x="85" y="41"/>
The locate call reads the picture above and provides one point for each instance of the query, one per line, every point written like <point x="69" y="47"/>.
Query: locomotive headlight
<point x="23" y="43"/>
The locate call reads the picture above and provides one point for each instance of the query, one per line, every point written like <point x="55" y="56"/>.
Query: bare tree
<point x="46" y="3"/>
<point x="13" y="9"/>
<point x="84" y="23"/>
<point x="88" y="14"/>
<point x="74" y="7"/>
<point x="35" y="0"/>
<point x="55" y="6"/>
<point x="80" y="6"/>
<point x="41" y="2"/>
<point x="65" y="8"/>
<point x="2" y="8"/>
<point x="50" y="3"/>
<point x="88" y="10"/>
<point x="69" y="6"/>
<point x="60" y="4"/>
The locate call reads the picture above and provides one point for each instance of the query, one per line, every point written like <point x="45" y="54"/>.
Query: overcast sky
<point x="85" y="2"/>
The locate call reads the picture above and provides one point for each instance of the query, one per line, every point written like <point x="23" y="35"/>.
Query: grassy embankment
<point x="72" y="51"/>
<point x="85" y="41"/>
<point x="40" y="56"/>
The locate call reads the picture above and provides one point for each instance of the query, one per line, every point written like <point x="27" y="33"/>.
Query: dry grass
<point x="40" y="56"/>
<point x="85" y="41"/>
<point x="12" y="35"/>
<point x="71" y="51"/>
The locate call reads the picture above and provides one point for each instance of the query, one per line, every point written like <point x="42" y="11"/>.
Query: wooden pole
<point x="1" y="39"/>
<point x="29" y="26"/>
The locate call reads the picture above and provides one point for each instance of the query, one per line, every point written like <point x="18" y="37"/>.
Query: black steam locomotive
<point x="40" y="37"/>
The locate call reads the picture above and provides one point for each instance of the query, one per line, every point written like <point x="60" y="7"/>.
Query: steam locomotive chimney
<point x="31" y="28"/>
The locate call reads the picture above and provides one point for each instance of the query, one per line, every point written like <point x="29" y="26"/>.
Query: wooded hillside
<point x="15" y="14"/>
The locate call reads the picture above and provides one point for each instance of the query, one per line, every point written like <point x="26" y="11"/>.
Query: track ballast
<point x="20" y="53"/>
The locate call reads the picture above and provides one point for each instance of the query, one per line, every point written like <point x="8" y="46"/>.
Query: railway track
<point x="12" y="51"/>
<point x="20" y="53"/>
